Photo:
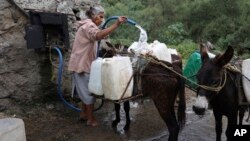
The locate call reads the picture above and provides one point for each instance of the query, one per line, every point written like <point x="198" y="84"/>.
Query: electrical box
<point x="34" y="36"/>
<point x="46" y="29"/>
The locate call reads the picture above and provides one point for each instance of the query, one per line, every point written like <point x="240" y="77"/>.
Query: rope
<point x="216" y="89"/>
<point x="245" y="77"/>
<point x="156" y="74"/>
<point x="232" y="68"/>
<point x="235" y="69"/>
<point x="126" y="87"/>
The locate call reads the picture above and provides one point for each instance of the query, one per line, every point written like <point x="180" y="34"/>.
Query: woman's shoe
<point x="93" y="124"/>
<point x="82" y="119"/>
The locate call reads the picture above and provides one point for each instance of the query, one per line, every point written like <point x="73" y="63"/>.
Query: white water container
<point x="12" y="129"/>
<point x="116" y="73"/>
<point x="246" y="83"/>
<point x="161" y="51"/>
<point x="95" y="81"/>
<point x="173" y="51"/>
<point x="139" y="48"/>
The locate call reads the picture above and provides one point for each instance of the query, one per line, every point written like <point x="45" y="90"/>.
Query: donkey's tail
<point x="182" y="104"/>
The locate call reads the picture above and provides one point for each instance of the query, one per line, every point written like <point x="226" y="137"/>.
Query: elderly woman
<point x="83" y="53"/>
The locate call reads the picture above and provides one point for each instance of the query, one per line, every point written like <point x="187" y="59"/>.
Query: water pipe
<point x="59" y="83"/>
<point x="105" y="24"/>
<point x="60" y="68"/>
<point x="116" y="17"/>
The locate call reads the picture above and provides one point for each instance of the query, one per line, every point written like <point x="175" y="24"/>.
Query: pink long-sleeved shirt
<point x="84" y="47"/>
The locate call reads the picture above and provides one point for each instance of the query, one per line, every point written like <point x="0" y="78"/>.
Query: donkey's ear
<point x="203" y="52"/>
<point x="117" y="46"/>
<point x="109" y="44"/>
<point x="226" y="57"/>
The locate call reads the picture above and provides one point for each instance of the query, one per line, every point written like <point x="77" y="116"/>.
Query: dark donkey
<point x="162" y="85"/>
<point x="217" y="87"/>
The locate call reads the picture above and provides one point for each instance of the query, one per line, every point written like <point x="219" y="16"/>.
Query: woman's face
<point x="98" y="19"/>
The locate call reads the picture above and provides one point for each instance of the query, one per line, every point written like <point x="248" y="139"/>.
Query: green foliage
<point x="148" y="14"/>
<point x="186" y="48"/>
<point x="245" y="56"/>
<point x="128" y="34"/>
<point x="177" y="22"/>
<point x="175" y="33"/>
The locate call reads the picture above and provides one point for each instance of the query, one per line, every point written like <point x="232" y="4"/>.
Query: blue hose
<point x="59" y="81"/>
<point x="116" y="17"/>
<point x="105" y="24"/>
<point x="60" y="69"/>
<point x="59" y="84"/>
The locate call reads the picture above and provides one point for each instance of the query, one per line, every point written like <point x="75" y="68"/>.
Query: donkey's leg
<point x="231" y="121"/>
<point x="218" y="125"/>
<point x="127" y="109"/>
<point x="168" y="115"/>
<point x="117" y="115"/>
<point x="173" y="126"/>
<point x="241" y="114"/>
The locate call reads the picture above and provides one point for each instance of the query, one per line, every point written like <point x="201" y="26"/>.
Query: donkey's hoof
<point x="114" y="123"/>
<point x="126" y="127"/>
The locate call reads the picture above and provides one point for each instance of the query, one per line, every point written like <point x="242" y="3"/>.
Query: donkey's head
<point x="210" y="77"/>
<point x="110" y="50"/>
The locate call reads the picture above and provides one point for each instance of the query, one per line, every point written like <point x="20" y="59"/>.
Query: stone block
<point x="12" y="129"/>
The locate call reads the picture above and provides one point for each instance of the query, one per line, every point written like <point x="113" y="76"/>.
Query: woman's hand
<point x="105" y="32"/>
<point x="121" y="19"/>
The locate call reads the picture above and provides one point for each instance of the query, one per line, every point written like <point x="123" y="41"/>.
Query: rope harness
<point x="214" y="88"/>
<point x="210" y="88"/>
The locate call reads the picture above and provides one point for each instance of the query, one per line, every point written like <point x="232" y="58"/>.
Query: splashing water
<point x="143" y="34"/>
<point x="141" y="46"/>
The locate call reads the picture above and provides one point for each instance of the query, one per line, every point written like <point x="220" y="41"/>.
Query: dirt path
<point x="53" y="121"/>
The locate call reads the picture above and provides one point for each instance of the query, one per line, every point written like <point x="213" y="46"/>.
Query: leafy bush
<point x="223" y="22"/>
<point x="175" y="33"/>
<point x="185" y="48"/>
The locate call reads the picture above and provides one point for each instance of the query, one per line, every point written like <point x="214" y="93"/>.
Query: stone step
<point x="12" y="129"/>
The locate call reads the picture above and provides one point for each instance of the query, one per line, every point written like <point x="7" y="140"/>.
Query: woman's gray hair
<point x="98" y="9"/>
<point x="93" y="11"/>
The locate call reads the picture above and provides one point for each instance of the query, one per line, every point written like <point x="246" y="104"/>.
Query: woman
<point x="83" y="53"/>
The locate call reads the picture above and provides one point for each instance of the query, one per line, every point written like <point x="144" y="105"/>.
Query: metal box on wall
<point x="34" y="36"/>
<point x="46" y="29"/>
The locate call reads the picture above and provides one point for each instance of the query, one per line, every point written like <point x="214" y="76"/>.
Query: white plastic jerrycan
<point x="95" y="80"/>
<point x="116" y="73"/>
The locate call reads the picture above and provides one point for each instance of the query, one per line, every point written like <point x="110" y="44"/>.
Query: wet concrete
<point x="146" y="125"/>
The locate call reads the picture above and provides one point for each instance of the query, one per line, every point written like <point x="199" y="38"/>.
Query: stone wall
<point x="25" y="74"/>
